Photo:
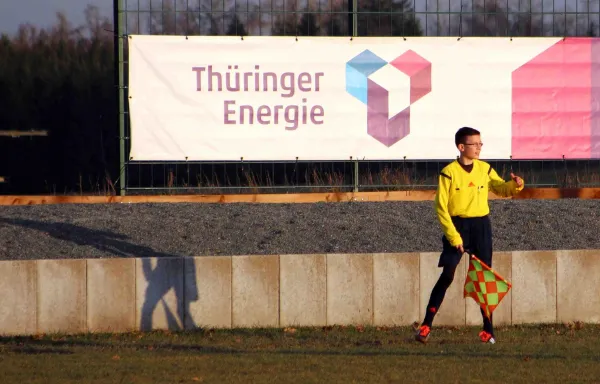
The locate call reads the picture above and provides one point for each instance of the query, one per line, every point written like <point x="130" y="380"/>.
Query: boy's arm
<point x="441" y="208"/>
<point x="501" y="187"/>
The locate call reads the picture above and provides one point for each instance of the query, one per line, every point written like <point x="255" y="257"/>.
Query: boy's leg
<point x="483" y="249"/>
<point x="487" y="323"/>
<point x="449" y="260"/>
<point x="435" y="300"/>
<point x="439" y="292"/>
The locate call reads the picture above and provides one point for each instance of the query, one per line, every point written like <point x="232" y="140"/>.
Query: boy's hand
<point x="517" y="179"/>
<point x="460" y="248"/>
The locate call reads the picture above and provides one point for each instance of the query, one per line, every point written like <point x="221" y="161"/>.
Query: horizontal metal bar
<point x="17" y="133"/>
<point x="240" y="162"/>
<point x="349" y="161"/>
<point x="341" y="186"/>
<point x="391" y="12"/>
<point x="243" y="187"/>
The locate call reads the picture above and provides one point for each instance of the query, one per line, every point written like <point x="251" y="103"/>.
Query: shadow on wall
<point x="164" y="275"/>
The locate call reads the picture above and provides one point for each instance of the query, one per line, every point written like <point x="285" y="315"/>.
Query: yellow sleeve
<point x="441" y="208"/>
<point x="501" y="187"/>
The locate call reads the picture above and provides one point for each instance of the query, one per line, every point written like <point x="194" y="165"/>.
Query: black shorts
<point x="476" y="233"/>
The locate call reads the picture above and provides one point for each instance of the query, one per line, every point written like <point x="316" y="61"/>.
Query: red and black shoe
<point x="422" y="333"/>
<point x="487" y="337"/>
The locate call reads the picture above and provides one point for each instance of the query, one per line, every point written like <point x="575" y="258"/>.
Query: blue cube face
<point x="357" y="71"/>
<point x="356" y="84"/>
<point x="366" y="63"/>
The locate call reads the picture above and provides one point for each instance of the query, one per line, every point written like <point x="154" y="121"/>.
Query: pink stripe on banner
<point x="595" y="105"/>
<point x="551" y="99"/>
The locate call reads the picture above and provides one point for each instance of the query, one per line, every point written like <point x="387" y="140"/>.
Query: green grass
<point x="567" y="353"/>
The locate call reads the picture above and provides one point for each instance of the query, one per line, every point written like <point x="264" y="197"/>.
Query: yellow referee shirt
<point x="465" y="194"/>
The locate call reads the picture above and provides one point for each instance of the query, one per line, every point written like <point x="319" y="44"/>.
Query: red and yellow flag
<point x="485" y="285"/>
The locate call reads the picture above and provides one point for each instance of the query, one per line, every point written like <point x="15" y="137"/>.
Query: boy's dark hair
<point x="462" y="134"/>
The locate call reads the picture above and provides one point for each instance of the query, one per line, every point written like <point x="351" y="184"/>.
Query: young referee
<point x="462" y="209"/>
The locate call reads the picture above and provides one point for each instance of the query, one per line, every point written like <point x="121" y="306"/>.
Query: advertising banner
<point x="336" y="98"/>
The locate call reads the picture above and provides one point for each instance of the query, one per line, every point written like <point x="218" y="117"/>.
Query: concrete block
<point x="159" y="293"/>
<point x="61" y="296"/>
<point x="578" y="286"/>
<point x="208" y="292"/>
<point x="501" y="263"/>
<point x="534" y="287"/>
<point x="452" y="311"/>
<point x="111" y="295"/>
<point x="255" y="293"/>
<point x="395" y="289"/>
<point x="350" y="289"/>
<point x="303" y="296"/>
<point x="18" y="300"/>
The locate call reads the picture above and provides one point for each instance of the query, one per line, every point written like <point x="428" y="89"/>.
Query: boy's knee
<point x="448" y="275"/>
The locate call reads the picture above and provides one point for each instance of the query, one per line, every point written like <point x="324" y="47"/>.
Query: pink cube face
<point x="418" y="70"/>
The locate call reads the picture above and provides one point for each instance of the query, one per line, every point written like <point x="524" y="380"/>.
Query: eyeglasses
<point x="478" y="145"/>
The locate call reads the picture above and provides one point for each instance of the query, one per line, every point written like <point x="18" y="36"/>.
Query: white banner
<point x="332" y="98"/>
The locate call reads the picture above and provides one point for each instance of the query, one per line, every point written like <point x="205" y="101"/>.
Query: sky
<point x="42" y="13"/>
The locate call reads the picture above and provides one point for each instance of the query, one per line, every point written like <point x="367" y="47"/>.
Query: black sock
<point x="437" y="294"/>
<point x="487" y="323"/>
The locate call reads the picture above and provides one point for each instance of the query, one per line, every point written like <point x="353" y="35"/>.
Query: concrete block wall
<point x="119" y="295"/>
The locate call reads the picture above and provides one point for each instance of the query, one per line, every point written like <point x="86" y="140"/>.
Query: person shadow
<point x="169" y="272"/>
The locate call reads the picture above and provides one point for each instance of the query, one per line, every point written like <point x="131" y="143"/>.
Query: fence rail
<point x="337" y="176"/>
<point x="337" y="18"/>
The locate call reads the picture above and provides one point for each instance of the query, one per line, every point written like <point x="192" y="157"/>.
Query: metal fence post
<point x="354" y="34"/>
<point x="118" y="48"/>
<point x="356" y="175"/>
<point x="354" y="18"/>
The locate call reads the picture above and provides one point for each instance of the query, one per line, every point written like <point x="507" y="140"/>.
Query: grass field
<point x="566" y="353"/>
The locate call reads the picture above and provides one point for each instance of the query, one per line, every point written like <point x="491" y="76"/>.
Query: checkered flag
<point x="485" y="286"/>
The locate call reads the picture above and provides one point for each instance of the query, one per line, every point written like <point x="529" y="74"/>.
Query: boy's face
<point x="471" y="148"/>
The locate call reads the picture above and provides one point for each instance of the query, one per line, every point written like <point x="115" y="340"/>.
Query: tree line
<point x="62" y="79"/>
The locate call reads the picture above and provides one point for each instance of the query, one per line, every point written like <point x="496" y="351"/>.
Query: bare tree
<point x="387" y="18"/>
<point x="236" y="27"/>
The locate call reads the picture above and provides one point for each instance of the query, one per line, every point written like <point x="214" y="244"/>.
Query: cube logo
<point x="388" y="89"/>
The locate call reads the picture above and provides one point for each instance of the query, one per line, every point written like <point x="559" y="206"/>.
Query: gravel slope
<point x="137" y="230"/>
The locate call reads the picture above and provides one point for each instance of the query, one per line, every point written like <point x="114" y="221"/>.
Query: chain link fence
<point x="338" y="18"/>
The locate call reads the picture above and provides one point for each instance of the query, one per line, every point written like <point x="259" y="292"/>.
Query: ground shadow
<point x="415" y="349"/>
<point x="166" y="274"/>
<point x="36" y="350"/>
